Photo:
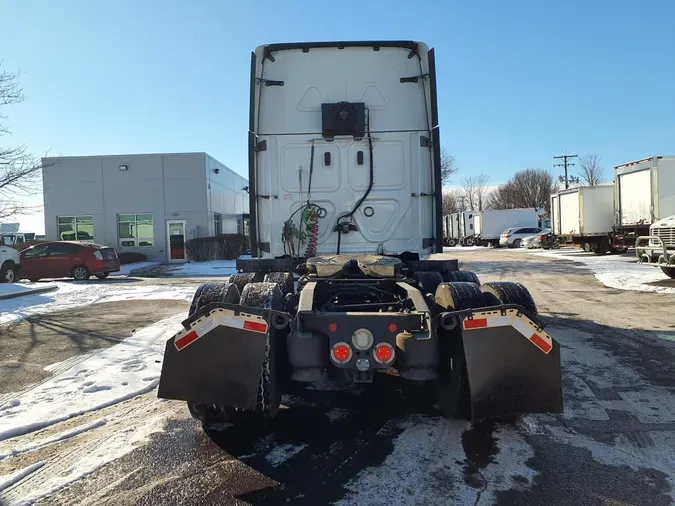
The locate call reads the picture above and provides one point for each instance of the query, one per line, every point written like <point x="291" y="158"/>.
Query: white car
<point x="528" y="242"/>
<point x="9" y="264"/>
<point x="513" y="237"/>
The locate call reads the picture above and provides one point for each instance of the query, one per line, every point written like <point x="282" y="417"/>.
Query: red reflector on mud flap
<point x="540" y="343"/>
<point x="478" y="323"/>
<point x="255" y="326"/>
<point x="187" y="339"/>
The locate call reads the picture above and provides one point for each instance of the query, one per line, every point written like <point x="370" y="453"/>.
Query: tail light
<point x="384" y="353"/>
<point x="98" y="255"/>
<point x="341" y="353"/>
<point x="542" y="237"/>
<point x="507" y="236"/>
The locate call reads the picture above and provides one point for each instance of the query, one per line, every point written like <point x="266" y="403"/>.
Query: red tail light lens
<point x="341" y="353"/>
<point x="384" y="353"/>
<point x="507" y="235"/>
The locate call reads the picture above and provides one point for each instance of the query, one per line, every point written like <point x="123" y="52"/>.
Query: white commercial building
<point x="149" y="203"/>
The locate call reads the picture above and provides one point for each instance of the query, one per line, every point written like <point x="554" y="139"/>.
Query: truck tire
<point x="669" y="271"/>
<point x="469" y="241"/>
<point x="617" y="250"/>
<point x="599" y="249"/>
<point x="467" y="276"/>
<point x="452" y="242"/>
<point x="505" y="292"/>
<point x="241" y="279"/>
<point x="268" y="296"/>
<point x="208" y="293"/>
<point x="452" y="385"/>
<point x="427" y="281"/>
<point x="283" y="279"/>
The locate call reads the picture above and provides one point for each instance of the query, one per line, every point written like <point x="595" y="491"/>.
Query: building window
<point x="135" y="230"/>
<point x="217" y="224"/>
<point x="76" y="228"/>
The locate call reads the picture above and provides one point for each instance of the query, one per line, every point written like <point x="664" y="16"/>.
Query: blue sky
<point x="519" y="81"/>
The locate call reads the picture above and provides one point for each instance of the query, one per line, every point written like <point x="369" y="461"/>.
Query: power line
<point x="567" y="179"/>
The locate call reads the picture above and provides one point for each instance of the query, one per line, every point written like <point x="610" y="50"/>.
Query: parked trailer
<point x="368" y="300"/>
<point x="644" y="193"/>
<point x="489" y="225"/>
<point x="467" y="228"/>
<point x="585" y="216"/>
<point x="450" y="228"/>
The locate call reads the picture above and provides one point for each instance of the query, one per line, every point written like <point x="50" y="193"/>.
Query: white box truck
<point x="585" y="215"/>
<point x="489" y="225"/>
<point x="644" y="193"/>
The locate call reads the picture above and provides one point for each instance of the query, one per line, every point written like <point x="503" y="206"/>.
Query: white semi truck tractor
<point x="345" y="192"/>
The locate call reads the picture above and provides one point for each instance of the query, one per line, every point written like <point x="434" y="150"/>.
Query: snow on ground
<point x="615" y="271"/>
<point x="423" y="467"/>
<point x="109" y="376"/>
<point x="211" y="268"/>
<point x="54" y="439"/>
<point x="125" y="270"/>
<point x="72" y="294"/>
<point x="8" y="480"/>
<point x="16" y="288"/>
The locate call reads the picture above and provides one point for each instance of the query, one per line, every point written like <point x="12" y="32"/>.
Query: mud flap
<point x="513" y="367"/>
<point x="218" y="357"/>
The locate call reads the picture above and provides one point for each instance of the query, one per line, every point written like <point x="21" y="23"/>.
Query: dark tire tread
<point x="267" y="296"/>
<point x="467" y="276"/>
<point x="505" y="292"/>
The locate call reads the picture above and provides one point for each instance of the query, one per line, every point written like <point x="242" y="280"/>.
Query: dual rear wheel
<point x="259" y="294"/>
<point x="452" y="385"/>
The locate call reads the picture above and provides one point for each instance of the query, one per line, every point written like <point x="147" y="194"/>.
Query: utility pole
<point x="565" y="164"/>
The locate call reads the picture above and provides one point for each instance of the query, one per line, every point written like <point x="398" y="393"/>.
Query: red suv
<point x="62" y="259"/>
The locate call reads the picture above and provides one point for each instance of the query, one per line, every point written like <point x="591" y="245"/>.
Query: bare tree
<point x="448" y="166"/>
<point x="475" y="191"/>
<point x="19" y="171"/>
<point x="451" y="201"/>
<point x="590" y="171"/>
<point x="527" y="188"/>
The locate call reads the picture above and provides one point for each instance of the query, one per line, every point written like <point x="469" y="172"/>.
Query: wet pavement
<point x="388" y="444"/>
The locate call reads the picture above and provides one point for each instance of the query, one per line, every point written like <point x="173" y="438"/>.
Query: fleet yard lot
<point x="80" y="422"/>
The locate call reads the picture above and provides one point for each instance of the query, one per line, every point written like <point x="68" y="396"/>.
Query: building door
<point x="175" y="231"/>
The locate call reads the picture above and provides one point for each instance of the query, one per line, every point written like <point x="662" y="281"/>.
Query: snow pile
<point x="616" y="271"/>
<point x="72" y="294"/>
<point x="110" y="376"/>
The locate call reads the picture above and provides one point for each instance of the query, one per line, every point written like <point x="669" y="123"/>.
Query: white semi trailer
<point x="489" y="225"/>
<point x="644" y="193"/>
<point x="585" y="216"/>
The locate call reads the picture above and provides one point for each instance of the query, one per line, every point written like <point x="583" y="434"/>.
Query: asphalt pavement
<point x="388" y="444"/>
